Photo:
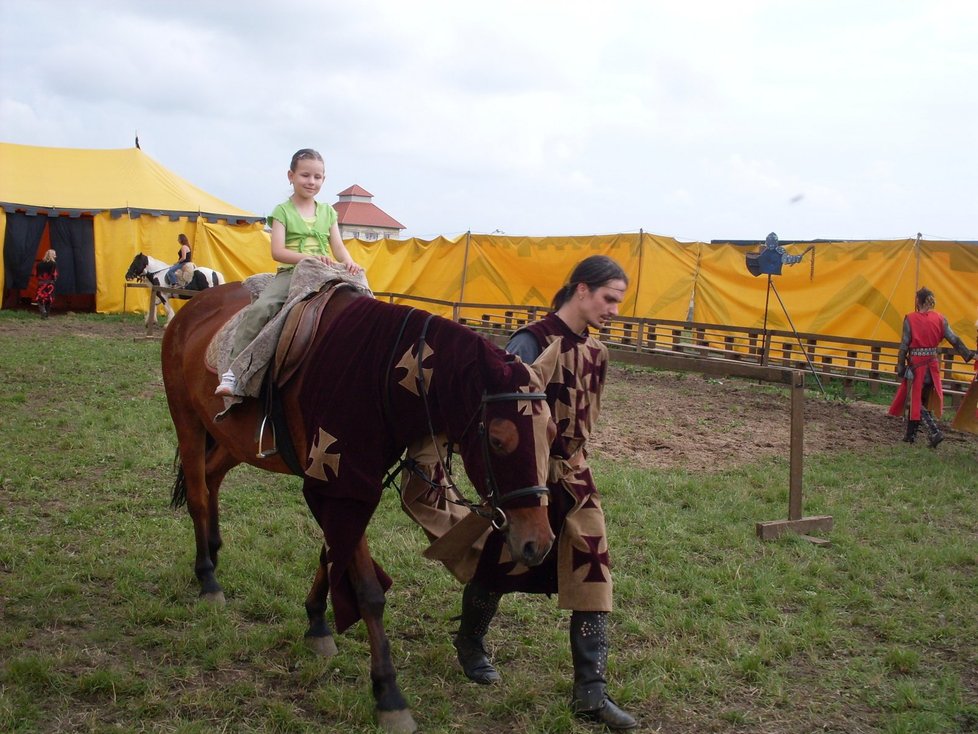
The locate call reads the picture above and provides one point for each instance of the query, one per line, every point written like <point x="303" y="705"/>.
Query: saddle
<point x="298" y="332"/>
<point x="273" y="358"/>
<point x="300" y="327"/>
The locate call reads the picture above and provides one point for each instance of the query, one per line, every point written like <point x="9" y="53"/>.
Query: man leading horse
<point x="579" y="571"/>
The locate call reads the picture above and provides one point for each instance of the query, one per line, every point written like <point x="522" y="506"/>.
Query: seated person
<point x="183" y="257"/>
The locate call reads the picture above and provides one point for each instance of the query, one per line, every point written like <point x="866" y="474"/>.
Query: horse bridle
<point x="495" y="514"/>
<point x="147" y="274"/>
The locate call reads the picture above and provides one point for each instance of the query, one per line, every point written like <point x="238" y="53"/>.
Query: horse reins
<point x="147" y="274"/>
<point x="495" y="514"/>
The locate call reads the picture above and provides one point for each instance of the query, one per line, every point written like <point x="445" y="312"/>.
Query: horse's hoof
<point x="322" y="645"/>
<point x="396" y="722"/>
<point x="214" y="597"/>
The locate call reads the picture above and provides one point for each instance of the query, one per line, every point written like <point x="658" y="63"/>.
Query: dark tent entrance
<point x="28" y="237"/>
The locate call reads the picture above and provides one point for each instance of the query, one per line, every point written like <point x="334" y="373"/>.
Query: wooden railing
<point x="847" y="359"/>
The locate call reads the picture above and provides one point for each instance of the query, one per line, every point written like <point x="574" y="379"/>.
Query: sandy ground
<point x="671" y="420"/>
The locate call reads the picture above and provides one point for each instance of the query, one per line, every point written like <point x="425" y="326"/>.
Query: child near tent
<point x="183" y="257"/>
<point x="47" y="274"/>
<point x="301" y="228"/>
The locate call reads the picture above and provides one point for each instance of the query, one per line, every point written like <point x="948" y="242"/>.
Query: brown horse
<point x="377" y="378"/>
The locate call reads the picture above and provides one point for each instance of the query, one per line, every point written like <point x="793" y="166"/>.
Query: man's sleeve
<point x="957" y="343"/>
<point x="524" y="345"/>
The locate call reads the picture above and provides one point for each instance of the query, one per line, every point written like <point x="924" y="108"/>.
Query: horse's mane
<point x="473" y="360"/>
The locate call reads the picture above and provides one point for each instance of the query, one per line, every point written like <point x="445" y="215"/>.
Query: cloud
<point x="699" y="119"/>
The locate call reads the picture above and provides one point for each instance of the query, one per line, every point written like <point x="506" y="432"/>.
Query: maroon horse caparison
<point x="377" y="378"/>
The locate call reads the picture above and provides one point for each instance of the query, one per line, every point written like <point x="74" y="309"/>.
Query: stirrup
<point x="271" y="451"/>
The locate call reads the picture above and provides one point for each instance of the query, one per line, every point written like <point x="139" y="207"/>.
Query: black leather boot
<point x="911" y="434"/>
<point x="933" y="430"/>
<point x="478" y="608"/>
<point x="589" y="651"/>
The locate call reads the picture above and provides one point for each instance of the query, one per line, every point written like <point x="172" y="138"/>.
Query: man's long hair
<point x="594" y="272"/>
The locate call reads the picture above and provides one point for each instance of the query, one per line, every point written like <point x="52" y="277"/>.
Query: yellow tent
<point x="98" y="209"/>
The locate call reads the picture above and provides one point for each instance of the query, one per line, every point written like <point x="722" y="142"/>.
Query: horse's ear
<point x="545" y="365"/>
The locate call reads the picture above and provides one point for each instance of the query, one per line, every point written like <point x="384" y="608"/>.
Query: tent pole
<point x="465" y="267"/>
<point x="638" y="280"/>
<point x="691" y="310"/>
<point x="916" y="277"/>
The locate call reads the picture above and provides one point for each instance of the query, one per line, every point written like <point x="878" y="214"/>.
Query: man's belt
<point x="924" y="352"/>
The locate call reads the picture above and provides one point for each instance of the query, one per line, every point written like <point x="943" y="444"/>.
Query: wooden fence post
<point x="796" y="523"/>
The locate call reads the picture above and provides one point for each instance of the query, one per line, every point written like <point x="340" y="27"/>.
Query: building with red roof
<point x="359" y="217"/>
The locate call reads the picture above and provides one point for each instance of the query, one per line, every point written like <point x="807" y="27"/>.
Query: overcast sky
<point x="694" y="119"/>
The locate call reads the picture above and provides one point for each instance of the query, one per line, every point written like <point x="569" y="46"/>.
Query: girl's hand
<point x="353" y="269"/>
<point x="326" y="260"/>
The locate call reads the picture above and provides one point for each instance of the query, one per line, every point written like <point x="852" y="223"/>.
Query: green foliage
<point x="714" y="631"/>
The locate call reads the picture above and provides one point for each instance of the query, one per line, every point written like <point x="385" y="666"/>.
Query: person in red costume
<point x="919" y="365"/>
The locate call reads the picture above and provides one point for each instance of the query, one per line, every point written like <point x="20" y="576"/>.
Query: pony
<point x="150" y="270"/>
<point x="377" y="377"/>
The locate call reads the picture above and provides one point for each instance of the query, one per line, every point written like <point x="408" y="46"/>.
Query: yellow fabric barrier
<point x="530" y="270"/>
<point x="431" y="269"/>
<point x="848" y="289"/>
<point x="854" y="289"/>
<point x="950" y="269"/>
<point x="237" y="251"/>
<point x="667" y="278"/>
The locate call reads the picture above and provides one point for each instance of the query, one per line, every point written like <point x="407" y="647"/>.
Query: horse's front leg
<point x="319" y="636"/>
<point x="168" y="309"/>
<point x="392" y="711"/>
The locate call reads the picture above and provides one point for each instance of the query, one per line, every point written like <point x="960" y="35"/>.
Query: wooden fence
<point x="847" y="359"/>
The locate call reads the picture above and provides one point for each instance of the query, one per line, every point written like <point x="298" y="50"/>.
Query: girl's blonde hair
<point x="49" y="256"/>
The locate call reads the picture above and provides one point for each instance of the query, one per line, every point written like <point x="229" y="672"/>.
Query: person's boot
<point x="478" y="608"/>
<point x="589" y="651"/>
<point x="933" y="430"/>
<point x="911" y="434"/>
<point x="44" y="310"/>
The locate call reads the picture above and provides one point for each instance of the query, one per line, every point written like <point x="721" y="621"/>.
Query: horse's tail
<point x="179" y="498"/>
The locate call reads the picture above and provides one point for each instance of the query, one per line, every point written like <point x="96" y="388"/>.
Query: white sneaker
<point x="228" y="385"/>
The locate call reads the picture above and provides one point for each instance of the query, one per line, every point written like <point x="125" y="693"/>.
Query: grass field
<point x="714" y="631"/>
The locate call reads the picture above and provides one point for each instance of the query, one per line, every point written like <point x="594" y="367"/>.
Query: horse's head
<point x="506" y="452"/>
<point x="137" y="268"/>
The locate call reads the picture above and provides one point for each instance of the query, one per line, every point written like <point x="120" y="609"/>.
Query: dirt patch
<point x="70" y="324"/>
<point x="681" y="420"/>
